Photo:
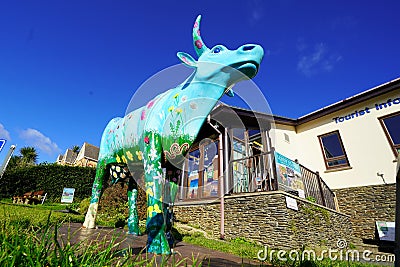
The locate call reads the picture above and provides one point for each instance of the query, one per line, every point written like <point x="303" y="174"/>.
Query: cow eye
<point x="216" y="50"/>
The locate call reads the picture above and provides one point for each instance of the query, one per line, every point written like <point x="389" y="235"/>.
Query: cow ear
<point x="187" y="59"/>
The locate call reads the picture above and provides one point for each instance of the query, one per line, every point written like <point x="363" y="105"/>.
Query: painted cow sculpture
<point x="159" y="135"/>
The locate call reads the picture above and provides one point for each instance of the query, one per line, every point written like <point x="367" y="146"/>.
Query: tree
<point x="28" y="155"/>
<point x="76" y="149"/>
<point x="15" y="161"/>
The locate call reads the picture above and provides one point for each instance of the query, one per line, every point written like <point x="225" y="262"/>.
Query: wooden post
<point x="201" y="172"/>
<point x="320" y="189"/>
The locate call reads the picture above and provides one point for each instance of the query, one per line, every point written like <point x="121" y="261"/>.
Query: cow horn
<point x="198" y="43"/>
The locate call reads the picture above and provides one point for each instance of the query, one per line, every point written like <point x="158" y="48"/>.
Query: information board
<point x="68" y="195"/>
<point x="386" y="230"/>
<point x="289" y="175"/>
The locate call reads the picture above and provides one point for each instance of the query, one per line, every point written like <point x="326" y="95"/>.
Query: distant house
<point x="68" y="158"/>
<point x="87" y="156"/>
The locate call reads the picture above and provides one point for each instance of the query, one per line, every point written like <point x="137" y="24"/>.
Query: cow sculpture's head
<point x="219" y="65"/>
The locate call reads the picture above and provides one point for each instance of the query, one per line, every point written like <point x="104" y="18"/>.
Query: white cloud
<point x="36" y="139"/>
<point x="256" y="11"/>
<point x="4" y="134"/>
<point x="316" y="61"/>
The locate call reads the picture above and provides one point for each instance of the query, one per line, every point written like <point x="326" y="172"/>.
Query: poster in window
<point x="193" y="184"/>
<point x="289" y="174"/>
<point x="211" y="178"/>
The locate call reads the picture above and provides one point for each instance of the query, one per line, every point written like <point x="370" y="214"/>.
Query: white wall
<point x="364" y="140"/>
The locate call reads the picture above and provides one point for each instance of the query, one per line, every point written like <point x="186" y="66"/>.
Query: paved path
<point x="137" y="243"/>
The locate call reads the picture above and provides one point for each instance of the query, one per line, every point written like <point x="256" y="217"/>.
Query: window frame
<point x="393" y="146"/>
<point x="328" y="160"/>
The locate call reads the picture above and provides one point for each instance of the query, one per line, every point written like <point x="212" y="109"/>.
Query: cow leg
<point x="90" y="219"/>
<point x="156" y="238"/>
<point x="133" y="219"/>
<point x="173" y="177"/>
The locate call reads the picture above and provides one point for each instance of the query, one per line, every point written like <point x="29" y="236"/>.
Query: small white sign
<point x="386" y="230"/>
<point x="301" y="193"/>
<point x="68" y="195"/>
<point x="291" y="203"/>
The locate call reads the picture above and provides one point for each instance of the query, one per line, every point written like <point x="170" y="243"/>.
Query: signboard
<point x="385" y="230"/>
<point x="291" y="203"/>
<point x="289" y="174"/>
<point x="2" y="143"/>
<point x="68" y="195"/>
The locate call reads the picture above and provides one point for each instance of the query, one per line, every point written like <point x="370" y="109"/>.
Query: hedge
<point x="51" y="178"/>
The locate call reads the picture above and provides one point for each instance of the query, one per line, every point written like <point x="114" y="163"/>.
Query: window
<point x="202" y="171"/>
<point x="332" y="148"/>
<point x="391" y="126"/>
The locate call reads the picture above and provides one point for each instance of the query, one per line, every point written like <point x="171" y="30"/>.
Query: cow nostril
<point x="248" y="47"/>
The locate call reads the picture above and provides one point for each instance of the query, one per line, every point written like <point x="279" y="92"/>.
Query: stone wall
<point x="264" y="218"/>
<point x="366" y="205"/>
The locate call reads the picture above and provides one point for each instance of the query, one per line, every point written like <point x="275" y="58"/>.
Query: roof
<point x="350" y="101"/>
<point x="235" y="116"/>
<point x="69" y="156"/>
<point x="88" y="151"/>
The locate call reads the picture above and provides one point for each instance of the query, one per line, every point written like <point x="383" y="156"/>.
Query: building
<point x="86" y="157"/>
<point x="68" y="158"/>
<point x="352" y="143"/>
<point x="343" y="157"/>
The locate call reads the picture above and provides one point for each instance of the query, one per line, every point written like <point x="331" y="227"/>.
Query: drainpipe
<point x="228" y="181"/>
<point x="397" y="218"/>
<point x="221" y="179"/>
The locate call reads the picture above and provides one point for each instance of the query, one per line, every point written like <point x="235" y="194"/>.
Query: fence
<point x="316" y="187"/>
<point x="250" y="174"/>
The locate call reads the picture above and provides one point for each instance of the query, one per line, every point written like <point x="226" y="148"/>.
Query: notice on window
<point x="68" y="195"/>
<point x="386" y="230"/>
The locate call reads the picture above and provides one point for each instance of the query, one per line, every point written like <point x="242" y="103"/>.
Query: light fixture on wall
<point x="381" y="175"/>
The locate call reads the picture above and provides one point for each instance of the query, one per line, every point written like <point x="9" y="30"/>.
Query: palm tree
<point x="28" y="155"/>
<point x="76" y="149"/>
<point x="15" y="161"/>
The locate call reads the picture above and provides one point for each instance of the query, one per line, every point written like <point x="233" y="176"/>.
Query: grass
<point x="28" y="237"/>
<point x="37" y="214"/>
<point x="238" y="247"/>
<point x="248" y="250"/>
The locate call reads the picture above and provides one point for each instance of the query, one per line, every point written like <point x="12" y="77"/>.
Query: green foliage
<point x="51" y="178"/>
<point x="28" y="157"/>
<point x="249" y="250"/>
<point x="238" y="246"/>
<point x="84" y="205"/>
<point x="36" y="215"/>
<point x="30" y="237"/>
<point x="311" y="199"/>
<point x="314" y="212"/>
<point x="113" y="206"/>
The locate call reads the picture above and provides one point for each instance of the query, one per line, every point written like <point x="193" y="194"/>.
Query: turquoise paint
<point x="168" y="125"/>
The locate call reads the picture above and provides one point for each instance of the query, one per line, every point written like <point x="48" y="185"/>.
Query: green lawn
<point x="27" y="237"/>
<point x="37" y="215"/>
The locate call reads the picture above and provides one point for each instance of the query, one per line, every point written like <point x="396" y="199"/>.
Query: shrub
<point x="113" y="206"/>
<point x="51" y="178"/>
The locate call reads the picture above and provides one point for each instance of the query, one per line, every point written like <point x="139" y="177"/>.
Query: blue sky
<point x="68" y="67"/>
